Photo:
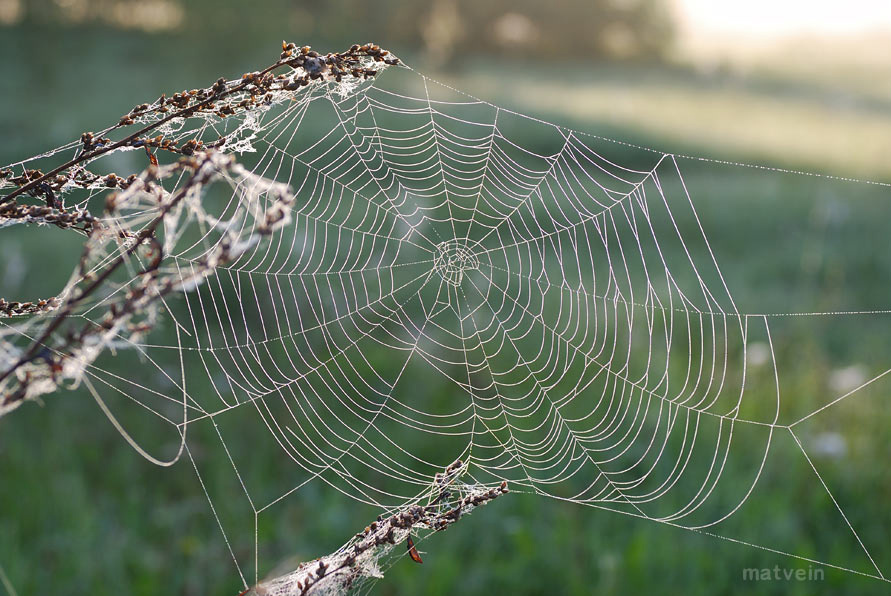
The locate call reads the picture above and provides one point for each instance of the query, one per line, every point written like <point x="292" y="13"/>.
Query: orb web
<point x="448" y="279"/>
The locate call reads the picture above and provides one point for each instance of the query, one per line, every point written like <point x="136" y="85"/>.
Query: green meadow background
<point x="81" y="513"/>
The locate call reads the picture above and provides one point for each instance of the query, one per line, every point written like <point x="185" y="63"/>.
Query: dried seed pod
<point x="412" y="551"/>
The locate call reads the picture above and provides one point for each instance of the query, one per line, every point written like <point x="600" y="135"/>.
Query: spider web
<point x="571" y="311"/>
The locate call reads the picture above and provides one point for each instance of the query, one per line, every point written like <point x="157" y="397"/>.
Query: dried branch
<point x="40" y="369"/>
<point x="358" y="561"/>
<point x="38" y="214"/>
<point x="313" y="67"/>
<point x="47" y="360"/>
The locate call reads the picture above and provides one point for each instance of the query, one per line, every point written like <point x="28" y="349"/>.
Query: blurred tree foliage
<point x="574" y="29"/>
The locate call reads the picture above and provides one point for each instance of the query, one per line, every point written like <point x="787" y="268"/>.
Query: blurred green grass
<point x="83" y="514"/>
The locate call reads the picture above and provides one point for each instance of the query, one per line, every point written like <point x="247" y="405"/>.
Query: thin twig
<point x="357" y="560"/>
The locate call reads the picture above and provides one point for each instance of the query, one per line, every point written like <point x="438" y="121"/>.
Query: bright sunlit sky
<point x="776" y="18"/>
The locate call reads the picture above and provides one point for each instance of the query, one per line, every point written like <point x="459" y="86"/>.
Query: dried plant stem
<point x="199" y="176"/>
<point x="218" y="91"/>
<point x="202" y="160"/>
<point x="356" y="561"/>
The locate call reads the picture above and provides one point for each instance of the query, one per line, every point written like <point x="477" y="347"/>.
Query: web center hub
<point x="452" y="259"/>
